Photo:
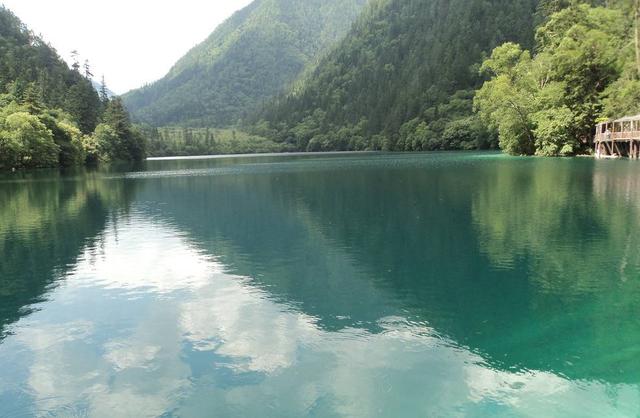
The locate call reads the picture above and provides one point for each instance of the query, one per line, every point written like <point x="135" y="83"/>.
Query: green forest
<point x="247" y="60"/>
<point x="421" y="75"/>
<point x="50" y="114"/>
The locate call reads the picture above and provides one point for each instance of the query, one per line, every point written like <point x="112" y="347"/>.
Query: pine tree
<point x="130" y="144"/>
<point x="83" y="103"/>
<point x="104" y="94"/>
<point x="33" y="99"/>
<point x="117" y="117"/>
<point x="74" y="58"/>
<point x="87" y="70"/>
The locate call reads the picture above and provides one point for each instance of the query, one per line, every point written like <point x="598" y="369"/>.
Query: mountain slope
<point x="402" y="76"/>
<point x="250" y="58"/>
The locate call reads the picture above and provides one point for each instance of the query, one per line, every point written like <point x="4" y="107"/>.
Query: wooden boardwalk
<point x="618" y="138"/>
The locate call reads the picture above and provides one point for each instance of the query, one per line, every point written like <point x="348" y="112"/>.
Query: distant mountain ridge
<point x="247" y="60"/>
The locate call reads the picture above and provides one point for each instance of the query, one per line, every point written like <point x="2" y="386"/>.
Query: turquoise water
<point x="355" y="285"/>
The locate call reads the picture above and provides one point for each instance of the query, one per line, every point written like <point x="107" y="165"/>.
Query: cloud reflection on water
<point x="146" y="324"/>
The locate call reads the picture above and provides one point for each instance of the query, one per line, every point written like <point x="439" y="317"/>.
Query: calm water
<point x="324" y="286"/>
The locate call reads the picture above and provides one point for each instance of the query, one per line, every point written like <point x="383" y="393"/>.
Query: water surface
<point x="357" y="285"/>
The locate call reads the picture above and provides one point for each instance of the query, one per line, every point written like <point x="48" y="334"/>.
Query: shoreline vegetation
<point x="535" y="88"/>
<point x="583" y="71"/>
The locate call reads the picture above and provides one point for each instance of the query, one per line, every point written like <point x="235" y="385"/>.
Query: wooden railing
<point x="617" y="136"/>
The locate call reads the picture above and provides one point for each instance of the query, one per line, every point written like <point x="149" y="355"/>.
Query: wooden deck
<point x="618" y="138"/>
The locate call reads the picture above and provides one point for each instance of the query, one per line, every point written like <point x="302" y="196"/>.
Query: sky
<point x="130" y="42"/>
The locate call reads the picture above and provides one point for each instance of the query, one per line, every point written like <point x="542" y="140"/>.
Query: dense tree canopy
<point x="583" y="69"/>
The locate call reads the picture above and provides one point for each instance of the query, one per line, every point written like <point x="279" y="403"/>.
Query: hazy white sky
<point x="131" y="42"/>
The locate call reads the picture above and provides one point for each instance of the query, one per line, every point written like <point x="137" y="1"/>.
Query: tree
<point x="504" y="102"/>
<point x="623" y="96"/>
<point x="117" y="117"/>
<point x="27" y="142"/>
<point x="75" y="64"/>
<point x="66" y="135"/>
<point x="87" y="70"/>
<point x="33" y="99"/>
<point x="130" y="143"/>
<point x="83" y="103"/>
<point x="103" y="145"/>
<point x="553" y="129"/>
<point x="104" y="93"/>
<point x="467" y="134"/>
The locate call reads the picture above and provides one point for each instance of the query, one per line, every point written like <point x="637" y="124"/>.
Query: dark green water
<point x="324" y="286"/>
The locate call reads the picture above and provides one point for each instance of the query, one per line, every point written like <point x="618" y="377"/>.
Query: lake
<point x="345" y="285"/>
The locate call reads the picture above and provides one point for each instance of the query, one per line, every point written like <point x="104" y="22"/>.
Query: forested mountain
<point x="402" y="79"/>
<point x="50" y="114"/>
<point x="248" y="59"/>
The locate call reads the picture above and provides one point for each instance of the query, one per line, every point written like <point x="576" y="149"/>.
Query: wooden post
<point x="615" y="145"/>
